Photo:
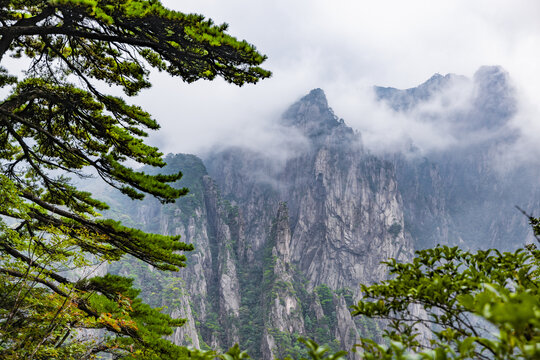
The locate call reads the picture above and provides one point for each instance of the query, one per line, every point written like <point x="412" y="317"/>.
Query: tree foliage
<point x="56" y="122"/>
<point x="483" y="305"/>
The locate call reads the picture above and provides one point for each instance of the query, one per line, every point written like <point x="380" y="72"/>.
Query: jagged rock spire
<point x="311" y="115"/>
<point x="317" y="121"/>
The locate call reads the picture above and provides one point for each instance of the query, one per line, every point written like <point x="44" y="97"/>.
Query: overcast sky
<point x="343" y="47"/>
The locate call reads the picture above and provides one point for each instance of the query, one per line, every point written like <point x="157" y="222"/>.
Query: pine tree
<point x="57" y="123"/>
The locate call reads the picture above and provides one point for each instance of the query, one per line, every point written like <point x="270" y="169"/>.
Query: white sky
<point x="343" y="47"/>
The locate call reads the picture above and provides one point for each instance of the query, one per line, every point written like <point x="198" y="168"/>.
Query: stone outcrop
<point x="343" y="216"/>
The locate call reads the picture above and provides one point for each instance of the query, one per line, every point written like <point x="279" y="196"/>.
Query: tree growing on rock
<point x="56" y="122"/>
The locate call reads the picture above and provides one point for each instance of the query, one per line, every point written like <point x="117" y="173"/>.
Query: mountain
<point x="282" y="246"/>
<point x="338" y="206"/>
<point x="464" y="195"/>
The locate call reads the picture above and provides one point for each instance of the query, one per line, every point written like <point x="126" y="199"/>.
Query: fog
<point x="346" y="48"/>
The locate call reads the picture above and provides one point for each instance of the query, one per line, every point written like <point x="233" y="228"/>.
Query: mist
<point x="250" y="117"/>
<point x="347" y="48"/>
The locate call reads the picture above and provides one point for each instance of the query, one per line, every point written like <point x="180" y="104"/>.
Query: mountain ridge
<point x="280" y="251"/>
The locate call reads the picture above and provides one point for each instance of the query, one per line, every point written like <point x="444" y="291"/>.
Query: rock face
<point x="282" y="246"/>
<point x="343" y="201"/>
<point x="343" y="216"/>
<point x="282" y="308"/>
<point x="464" y="195"/>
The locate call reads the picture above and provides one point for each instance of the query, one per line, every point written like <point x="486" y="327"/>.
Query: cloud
<point x="202" y="116"/>
<point x="429" y="126"/>
<point x="345" y="48"/>
<point x="388" y="42"/>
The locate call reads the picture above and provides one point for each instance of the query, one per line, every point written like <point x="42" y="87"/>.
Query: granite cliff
<point x="282" y="245"/>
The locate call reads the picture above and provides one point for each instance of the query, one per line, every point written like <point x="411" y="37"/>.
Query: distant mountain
<point x="492" y="99"/>
<point x="462" y="195"/>
<point x="281" y="248"/>
<point x="402" y="100"/>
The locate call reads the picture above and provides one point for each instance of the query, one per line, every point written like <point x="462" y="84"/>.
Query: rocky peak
<point x="491" y="75"/>
<point x="312" y="115"/>
<point x="402" y="100"/>
<point x="280" y="251"/>
<point x="487" y="101"/>
<point x="494" y="97"/>
<point x="318" y="97"/>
